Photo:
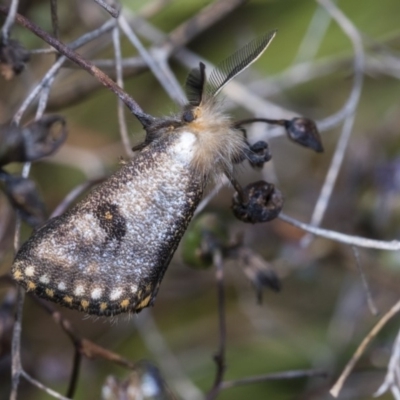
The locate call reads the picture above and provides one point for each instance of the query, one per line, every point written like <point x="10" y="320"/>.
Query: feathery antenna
<point x="236" y="63"/>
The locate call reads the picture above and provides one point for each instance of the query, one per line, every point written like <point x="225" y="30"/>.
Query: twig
<point x="307" y="373"/>
<point x="73" y="380"/>
<point x="113" y="11"/>
<point x="219" y="358"/>
<point x="224" y="180"/>
<point x="393" y="245"/>
<point x="151" y="8"/>
<point x="54" y="18"/>
<point x="73" y="195"/>
<point x="367" y="290"/>
<point x="337" y="387"/>
<point x="16" y="368"/>
<point x="40" y="385"/>
<point x="169" y="364"/>
<point x="56" y="67"/>
<point x="144" y="118"/>
<point x="171" y="87"/>
<point x="123" y="129"/>
<point x="390" y="378"/>
<point x="85" y="346"/>
<point x="9" y="22"/>
<point x="313" y="37"/>
<point x="204" y="19"/>
<point x="349" y="110"/>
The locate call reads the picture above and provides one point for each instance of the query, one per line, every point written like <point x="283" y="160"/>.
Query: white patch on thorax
<point x="184" y="147"/>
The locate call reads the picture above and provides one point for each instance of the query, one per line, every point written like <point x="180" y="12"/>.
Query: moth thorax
<point x="217" y="145"/>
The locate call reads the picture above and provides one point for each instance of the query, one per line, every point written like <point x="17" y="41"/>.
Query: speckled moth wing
<point x="108" y="254"/>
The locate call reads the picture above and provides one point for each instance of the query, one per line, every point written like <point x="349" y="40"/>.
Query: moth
<point x="108" y="254"/>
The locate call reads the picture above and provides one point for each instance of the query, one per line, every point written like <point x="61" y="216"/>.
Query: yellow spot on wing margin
<point x="50" y="292"/>
<point x="84" y="304"/>
<point x="68" y="299"/>
<point x="124" y="303"/>
<point x="17" y="275"/>
<point x="103" y="306"/>
<point x="31" y="286"/>
<point x="144" y="303"/>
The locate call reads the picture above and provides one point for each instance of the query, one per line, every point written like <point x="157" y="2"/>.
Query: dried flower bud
<point x="36" y="140"/>
<point x="24" y="197"/>
<point x="262" y="203"/>
<point x="304" y="132"/>
<point x="13" y="58"/>
<point x="259" y="154"/>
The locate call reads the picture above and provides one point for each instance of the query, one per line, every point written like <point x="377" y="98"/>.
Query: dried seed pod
<point x="259" y="202"/>
<point x="24" y="196"/>
<point x="36" y="140"/>
<point x="13" y="58"/>
<point x="304" y="132"/>
<point x="259" y="154"/>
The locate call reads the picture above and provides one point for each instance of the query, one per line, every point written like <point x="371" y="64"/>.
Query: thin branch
<point x="123" y="129"/>
<point x="49" y="76"/>
<point x="169" y="364"/>
<point x="9" y="22"/>
<point x="86" y="347"/>
<point x="16" y="367"/>
<point x="349" y="110"/>
<point x="151" y="8"/>
<point x="144" y="118"/>
<point x="204" y="19"/>
<point x="393" y="245"/>
<point x="296" y="374"/>
<point x="219" y="358"/>
<point x="390" y="378"/>
<point x="313" y="37"/>
<point x="171" y="87"/>
<point x="337" y="387"/>
<point x="203" y="204"/>
<point x="54" y="18"/>
<point x="73" y="381"/>
<point x="40" y="386"/>
<point x="73" y="195"/>
<point x="112" y="10"/>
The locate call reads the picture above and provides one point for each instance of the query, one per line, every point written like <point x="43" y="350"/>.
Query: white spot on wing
<point x="79" y="290"/>
<point x="134" y="288"/>
<point x="96" y="293"/>
<point x="62" y="286"/>
<point x="116" y="294"/>
<point x="44" y="279"/>
<point x="30" y="271"/>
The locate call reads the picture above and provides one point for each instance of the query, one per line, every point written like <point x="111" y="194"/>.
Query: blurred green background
<point x="321" y="315"/>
